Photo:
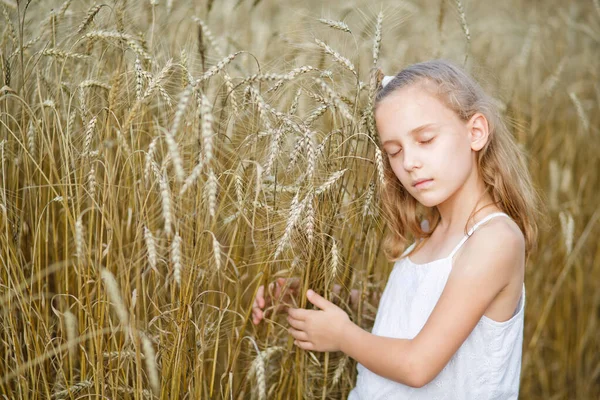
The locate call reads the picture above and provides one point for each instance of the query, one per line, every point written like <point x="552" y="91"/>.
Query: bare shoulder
<point x="498" y="244"/>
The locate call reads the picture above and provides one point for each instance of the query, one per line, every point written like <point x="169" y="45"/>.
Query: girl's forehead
<point x="406" y="105"/>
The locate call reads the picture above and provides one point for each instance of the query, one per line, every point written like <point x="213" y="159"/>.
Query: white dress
<point x="487" y="365"/>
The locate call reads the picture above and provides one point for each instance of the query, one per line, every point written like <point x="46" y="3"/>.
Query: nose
<point x="410" y="161"/>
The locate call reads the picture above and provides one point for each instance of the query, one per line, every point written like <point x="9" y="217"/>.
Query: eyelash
<point x="424" y="142"/>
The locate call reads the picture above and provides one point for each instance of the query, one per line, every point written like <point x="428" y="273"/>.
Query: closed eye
<point x="421" y="142"/>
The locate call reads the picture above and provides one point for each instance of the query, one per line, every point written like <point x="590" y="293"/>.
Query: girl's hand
<point x="261" y="301"/>
<point x="318" y="330"/>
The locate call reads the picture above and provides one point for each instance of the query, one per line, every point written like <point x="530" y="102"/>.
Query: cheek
<point x="454" y="163"/>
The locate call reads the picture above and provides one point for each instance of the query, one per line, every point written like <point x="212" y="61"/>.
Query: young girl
<point x="450" y="320"/>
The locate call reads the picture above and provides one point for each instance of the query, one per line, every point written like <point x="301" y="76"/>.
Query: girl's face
<point x="425" y="140"/>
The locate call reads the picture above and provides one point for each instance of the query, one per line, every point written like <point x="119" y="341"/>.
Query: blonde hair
<point x="501" y="162"/>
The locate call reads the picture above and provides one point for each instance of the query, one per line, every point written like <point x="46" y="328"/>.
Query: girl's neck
<point x="456" y="210"/>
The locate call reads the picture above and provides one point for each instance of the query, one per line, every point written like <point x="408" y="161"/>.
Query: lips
<point x="418" y="181"/>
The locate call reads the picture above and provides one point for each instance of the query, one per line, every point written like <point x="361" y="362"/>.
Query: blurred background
<point x="160" y="160"/>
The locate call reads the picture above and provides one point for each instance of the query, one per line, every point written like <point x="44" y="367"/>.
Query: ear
<point x="478" y="131"/>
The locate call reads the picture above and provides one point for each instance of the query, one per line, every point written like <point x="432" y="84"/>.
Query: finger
<point x="271" y="287"/>
<point x="336" y="288"/>
<point x="304" y="345"/>
<point x="354" y="295"/>
<point x="256" y="318"/>
<point x="298" y="335"/>
<point x="296" y="323"/>
<point x="318" y="300"/>
<point x="260" y="296"/>
<point x="281" y="282"/>
<point x="298" y="313"/>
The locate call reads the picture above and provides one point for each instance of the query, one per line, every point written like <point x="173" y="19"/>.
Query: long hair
<point x="501" y="162"/>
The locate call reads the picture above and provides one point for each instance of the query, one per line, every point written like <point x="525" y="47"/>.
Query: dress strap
<point x="468" y="235"/>
<point x="409" y="249"/>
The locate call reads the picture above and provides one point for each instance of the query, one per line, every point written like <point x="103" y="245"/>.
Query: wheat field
<point x="160" y="160"/>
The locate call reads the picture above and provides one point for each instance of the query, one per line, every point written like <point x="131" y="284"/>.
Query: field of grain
<point x="159" y="160"/>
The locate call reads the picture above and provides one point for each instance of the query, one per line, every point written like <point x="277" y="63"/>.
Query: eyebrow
<point x="413" y="132"/>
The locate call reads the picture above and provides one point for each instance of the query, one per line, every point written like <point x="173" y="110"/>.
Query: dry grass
<point x="158" y="162"/>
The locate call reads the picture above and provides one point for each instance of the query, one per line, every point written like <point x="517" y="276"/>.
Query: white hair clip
<point x="386" y="79"/>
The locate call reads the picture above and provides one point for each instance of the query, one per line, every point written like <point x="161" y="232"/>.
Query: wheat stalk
<point x="330" y="181"/>
<point x="311" y="156"/>
<point x="11" y="28"/>
<point x="103" y="34"/>
<point x="379" y="165"/>
<point x="216" y="251"/>
<point x="320" y="110"/>
<point x="212" y="71"/>
<point x="89" y="134"/>
<point x="290" y="76"/>
<point x="205" y="111"/>
<point x="295" y="102"/>
<point x="71" y="328"/>
<point x="73" y="390"/>
<point x="192" y="178"/>
<point x="92" y="11"/>
<point x="298" y="147"/>
<point x="79" y="242"/>
<point x="175" y="157"/>
<point x="239" y="183"/>
<point x="151" y="248"/>
<point x="149" y="159"/>
<point x="150" y="359"/>
<point x="274" y="149"/>
<point x="337" y="56"/>
<point x="63" y="54"/>
<point x="585" y="122"/>
<point x="368" y="200"/>
<point x="211" y="192"/>
<point x="263" y="107"/>
<point x="335" y="258"/>
<point x="91" y="181"/>
<point x="155" y="83"/>
<point x="309" y="219"/>
<point x="339" y="370"/>
<point x="296" y="209"/>
<point x="548" y="86"/>
<point x="121" y="354"/>
<point x="335" y="98"/>
<point x="176" y="258"/>
<point x="94" y="83"/>
<point x="181" y="107"/>
<point x="567" y="225"/>
<point x="31" y="140"/>
<point x="257" y="368"/>
<point x="465" y="27"/>
<point x="139" y="80"/>
<point x="377" y="40"/>
<point x="339" y="25"/>
<point x="208" y="34"/>
<point x="113" y="293"/>
<point x="165" y="195"/>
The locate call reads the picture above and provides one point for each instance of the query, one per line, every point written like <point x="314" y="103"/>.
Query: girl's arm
<point x="480" y="272"/>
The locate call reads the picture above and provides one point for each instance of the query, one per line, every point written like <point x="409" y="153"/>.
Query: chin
<point x="429" y="203"/>
<point x="429" y="200"/>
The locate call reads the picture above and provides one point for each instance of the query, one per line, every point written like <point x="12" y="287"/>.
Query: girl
<point x="450" y="320"/>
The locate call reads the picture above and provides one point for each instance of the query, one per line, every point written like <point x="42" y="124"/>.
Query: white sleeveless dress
<point x="487" y="365"/>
